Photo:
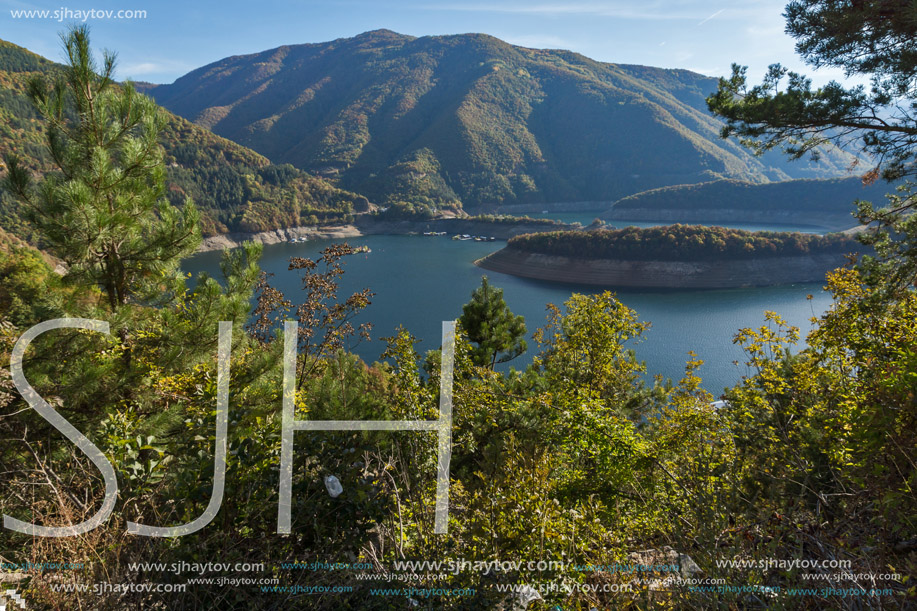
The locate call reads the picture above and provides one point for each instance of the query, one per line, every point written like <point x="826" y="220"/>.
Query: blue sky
<point x="176" y="37"/>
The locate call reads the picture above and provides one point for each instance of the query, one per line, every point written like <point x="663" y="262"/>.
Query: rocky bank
<point x="367" y="225"/>
<point x="662" y="274"/>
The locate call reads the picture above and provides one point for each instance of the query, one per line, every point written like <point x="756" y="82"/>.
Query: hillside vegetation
<point x="682" y="243"/>
<point x="171" y="467"/>
<point x="441" y="119"/>
<point x="830" y="196"/>
<point x="235" y="188"/>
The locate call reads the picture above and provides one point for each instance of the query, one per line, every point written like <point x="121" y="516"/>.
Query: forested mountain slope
<point x="826" y="203"/>
<point x="438" y="119"/>
<point x="235" y="187"/>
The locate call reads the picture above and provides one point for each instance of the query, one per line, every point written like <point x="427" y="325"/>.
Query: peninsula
<point x="674" y="256"/>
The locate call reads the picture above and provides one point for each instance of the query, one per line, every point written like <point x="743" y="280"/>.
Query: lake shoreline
<point x="420" y="282"/>
<point x="365" y="225"/>
<point x="747" y="273"/>
<point x="368" y="226"/>
<point x="671" y="216"/>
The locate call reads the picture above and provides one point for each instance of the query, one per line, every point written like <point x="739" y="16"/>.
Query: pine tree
<point x="103" y="211"/>
<point x="490" y="324"/>
<point x="866" y="39"/>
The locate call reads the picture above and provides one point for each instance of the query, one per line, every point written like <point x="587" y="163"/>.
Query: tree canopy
<point x="872" y="39"/>
<point x="682" y="243"/>
<point x="104" y="211"/>
<point x="491" y="325"/>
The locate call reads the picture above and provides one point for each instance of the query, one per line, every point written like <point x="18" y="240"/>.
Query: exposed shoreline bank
<point x="662" y="274"/>
<point x="366" y="226"/>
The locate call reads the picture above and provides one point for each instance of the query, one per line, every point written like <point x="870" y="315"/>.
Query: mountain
<point x="824" y="203"/>
<point x="235" y="188"/>
<point x="438" y="119"/>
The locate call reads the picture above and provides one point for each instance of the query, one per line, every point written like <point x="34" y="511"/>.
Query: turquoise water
<point x="421" y="281"/>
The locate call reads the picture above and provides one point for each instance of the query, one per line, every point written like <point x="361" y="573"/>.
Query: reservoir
<point x="420" y="281"/>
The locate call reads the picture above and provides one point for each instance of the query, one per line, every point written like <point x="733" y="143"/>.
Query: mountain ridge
<point x="825" y="203"/>
<point x="436" y="120"/>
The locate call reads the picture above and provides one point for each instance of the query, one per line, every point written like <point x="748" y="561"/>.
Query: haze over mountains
<point x="442" y="119"/>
